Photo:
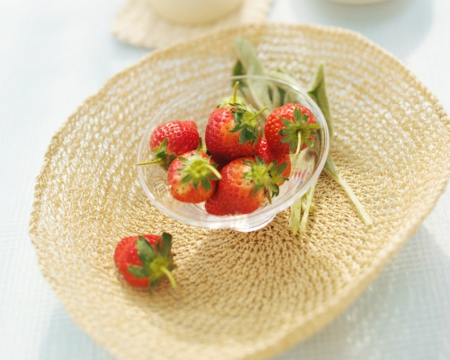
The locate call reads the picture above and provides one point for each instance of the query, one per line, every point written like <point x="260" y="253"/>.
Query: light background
<point x="54" y="54"/>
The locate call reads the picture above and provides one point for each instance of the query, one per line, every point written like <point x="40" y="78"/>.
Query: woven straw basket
<point x="241" y="295"/>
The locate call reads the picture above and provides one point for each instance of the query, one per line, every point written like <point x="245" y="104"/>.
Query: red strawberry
<point x="219" y="161"/>
<point x="144" y="260"/>
<point x="245" y="183"/>
<point x="171" y="139"/>
<point x="232" y="129"/>
<point x="290" y="128"/>
<point x="190" y="123"/>
<point x="283" y="161"/>
<point x="217" y="205"/>
<point x="192" y="177"/>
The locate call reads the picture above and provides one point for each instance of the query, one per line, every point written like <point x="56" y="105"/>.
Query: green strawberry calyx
<point x="266" y="176"/>
<point x="245" y="117"/>
<point x="276" y="173"/>
<point x="298" y="132"/>
<point x="246" y="122"/>
<point x="157" y="261"/>
<point x="198" y="170"/>
<point x="160" y="156"/>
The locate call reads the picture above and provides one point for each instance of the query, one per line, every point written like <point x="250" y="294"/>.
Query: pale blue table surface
<point x="54" y="54"/>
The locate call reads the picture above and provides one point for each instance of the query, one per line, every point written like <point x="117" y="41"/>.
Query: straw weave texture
<point x="138" y="24"/>
<point x="241" y="295"/>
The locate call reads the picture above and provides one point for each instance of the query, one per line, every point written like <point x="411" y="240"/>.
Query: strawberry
<point x="245" y="183"/>
<point x="283" y="161"/>
<point x="192" y="177"/>
<point x="171" y="139"/>
<point x="218" y="204"/>
<point x="144" y="260"/>
<point x="290" y="128"/>
<point x="232" y="129"/>
<point x="219" y="161"/>
<point x="190" y="123"/>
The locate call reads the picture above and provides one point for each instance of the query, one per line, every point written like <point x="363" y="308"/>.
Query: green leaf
<point x="282" y="167"/>
<point x="145" y="250"/>
<point x="309" y="196"/>
<point x="317" y="91"/>
<point x="183" y="160"/>
<point x="161" y="148"/>
<point x="331" y="170"/>
<point x="166" y="244"/>
<point x="186" y="179"/>
<point x="238" y="70"/>
<point x="282" y="95"/>
<point x="139" y="272"/>
<point x="250" y="63"/>
<point x="276" y="175"/>
<point x="154" y="282"/>
<point x="258" y="88"/>
<point x="149" y="288"/>
<point x="308" y="143"/>
<point x="196" y="182"/>
<point x="243" y="136"/>
<point x="275" y="189"/>
<point x="286" y="123"/>
<point x="294" y="218"/>
<point x="293" y="146"/>
<point x="285" y="76"/>
<point x="206" y="184"/>
<point x="311" y="206"/>
<point x="298" y="116"/>
<point x="256" y="189"/>
<point x="274" y="95"/>
<point x="158" y="247"/>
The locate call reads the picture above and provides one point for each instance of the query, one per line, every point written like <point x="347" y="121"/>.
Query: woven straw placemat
<point x="241" y="295"/>
<point x="138" y="24"/>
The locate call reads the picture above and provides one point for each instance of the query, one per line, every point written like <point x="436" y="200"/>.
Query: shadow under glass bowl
<point x="197" y="104"/>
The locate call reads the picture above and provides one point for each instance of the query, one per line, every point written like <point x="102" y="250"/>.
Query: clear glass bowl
<point x="197" y="105"/>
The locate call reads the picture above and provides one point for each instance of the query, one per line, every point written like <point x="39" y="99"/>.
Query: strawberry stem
<point x="299" y="143"/>
<point x="201" y="145"/>
<point x="258" y="113"/>
<point x="294" y="219"/>
<point x="331" y="170"/>
<point x="214" y="171"/>
<point x="169" y="275"/>
<point x="309" y="198"/>
<point x="306" y="161"/>
<point x="235" y="90"/>
<point x="155" y="161"/>
<point x="268" y="168"/>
